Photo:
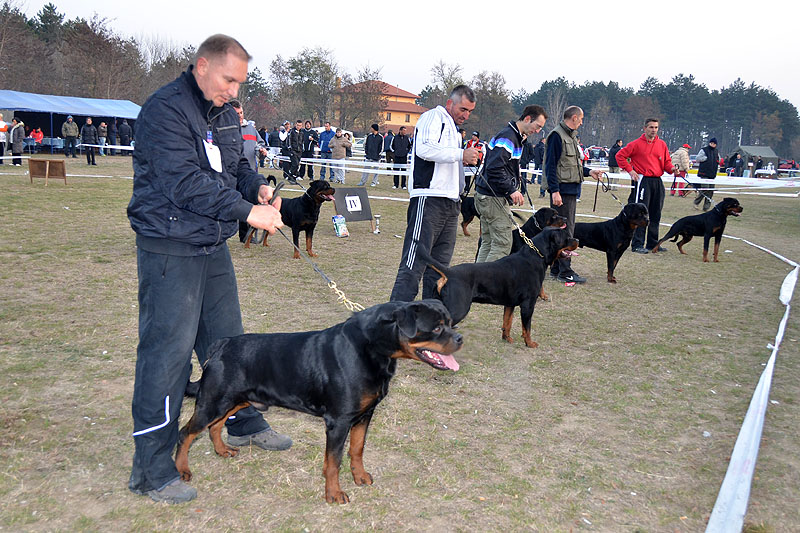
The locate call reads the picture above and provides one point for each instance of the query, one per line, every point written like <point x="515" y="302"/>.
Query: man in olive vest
<point x="564" y="170"/>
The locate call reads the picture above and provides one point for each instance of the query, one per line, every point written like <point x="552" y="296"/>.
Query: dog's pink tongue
<point x="449" y="361"/>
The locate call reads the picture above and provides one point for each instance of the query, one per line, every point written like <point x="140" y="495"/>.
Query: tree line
<point x="50" y="54"/>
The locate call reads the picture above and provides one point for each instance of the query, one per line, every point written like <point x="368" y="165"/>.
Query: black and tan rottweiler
<point x="708" y="224"/>
<point x="613" y="236"/>
<point x="544" y="217"/>
<point x="468" y="213"/>
<point x="302" y="214"/>
<point x="340" y="374"/>
<point x="514" y="280"/>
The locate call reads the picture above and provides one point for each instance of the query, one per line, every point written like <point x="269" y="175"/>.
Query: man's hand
<point x="596" y="174"/>
<point x="263" y="151"/>
<point x="265" y="193"/>
<point x="556" y="199"/>
<point x="634" y="176"/>
<point x="517" y="198"/>
<point x="266" y="217"/>
<point x="470" y="156"/>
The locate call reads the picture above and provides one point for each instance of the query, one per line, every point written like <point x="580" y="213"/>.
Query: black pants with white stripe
<point x="432" y="223"/>
<point x="650" y="192"/>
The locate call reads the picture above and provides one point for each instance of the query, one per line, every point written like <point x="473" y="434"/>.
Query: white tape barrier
<point x="109" y="146"/>
<point x="731" y="505"/>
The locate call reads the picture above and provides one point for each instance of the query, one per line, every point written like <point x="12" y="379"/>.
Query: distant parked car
<point x="693" y="159"/>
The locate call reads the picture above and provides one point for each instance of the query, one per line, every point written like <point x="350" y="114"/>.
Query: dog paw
<point x="186" y="475"/>
<point x="227" y="451"/>
<point x="312" y="254"/>
<point x="612" y="279"/>
<point x="508" y="338"/>
<point x="531" y="344"/>
<point x="336" y="496"/>
<point x="362" y="477"/>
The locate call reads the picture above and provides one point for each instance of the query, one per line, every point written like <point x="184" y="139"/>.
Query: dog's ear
<point x="406" y="320"/>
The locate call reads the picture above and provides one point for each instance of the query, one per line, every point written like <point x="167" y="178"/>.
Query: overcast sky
<point x="620" y="40"/>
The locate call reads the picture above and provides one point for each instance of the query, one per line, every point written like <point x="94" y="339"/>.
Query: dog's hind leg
<point x="684" y="240"/>
<point x="508" y="317"/>
<point x="526" y="314"/>
<point x="215" y="431"/>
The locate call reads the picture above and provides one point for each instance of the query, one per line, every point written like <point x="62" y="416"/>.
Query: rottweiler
<point x="708" y="224"/>
<point x="340" y="374"/>
<point x="302" y="214"/>
<point x="514" y="280"/>
<point x="543" y="217"/>
<point x="468" y="213"/>
<point x="613" y="236"/>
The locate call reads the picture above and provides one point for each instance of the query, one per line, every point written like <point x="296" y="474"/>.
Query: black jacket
<point x="180" y="205"/>
<point x="401" y="146"/>
<point x="125" y="133"/>
<point x="274" y="139"/>
<point x="373" y="146"/>
<point x="709" y="167"/>
<point x="294" y="141"/>
<point x="89" y="134"/>
<point x="500" y="176"/>
<point x="538" y="154"/>
<point x="527" y="155"/>
<point x="612" y="155"/>
<point x="309" y="139"/>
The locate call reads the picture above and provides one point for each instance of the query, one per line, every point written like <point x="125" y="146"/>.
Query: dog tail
<point x="434" y="264"/>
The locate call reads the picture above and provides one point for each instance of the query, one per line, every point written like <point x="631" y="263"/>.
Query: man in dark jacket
<point x="496" y="187"/>
<point x="373" y="146"/>
<point x="613" y="168"/>
<point x="125" y="135"/>
<point x="538" y="160"/>
<point x="69" y="130"/>
<point x="708" y="158"/>
<point x="308" y="140"/>
<point x="89" y="136"/>
<point x="401" y="146"/>
<point x="388" y="154"/>
<point x="293" y="145"/>
<point x="192" y="185"/>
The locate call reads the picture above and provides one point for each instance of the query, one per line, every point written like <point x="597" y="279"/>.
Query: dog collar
<point x="537" y="250"/>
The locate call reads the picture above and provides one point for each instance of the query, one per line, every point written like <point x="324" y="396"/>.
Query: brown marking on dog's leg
<point x="526" y="335"/>
<point x="358" y="436"/>
<point x="248" y="238"/>
<point x="543" y="295"/>
<point x="610" y="277"/>
<point x="264" y="242"/>
<point x="215" y="432"/>
<point x="308" y="247"/>
<point x="716" y="252"/>
<point x="442" y="281"/>
<point x="182" y="455"/>
<point x="330" y="469"/>
<point x="508" y="315"/>
<point x="680" y="246"/>
<point x="464" y="228"/>
<point x="705" y="256"/>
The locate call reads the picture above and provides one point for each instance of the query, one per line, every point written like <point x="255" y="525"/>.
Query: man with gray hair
<point x="192" y="185"/>
<point x="437" y="180"/>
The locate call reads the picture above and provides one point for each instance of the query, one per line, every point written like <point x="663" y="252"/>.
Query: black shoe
<point x="640" y="250"/>
<point x="571" y="278"/>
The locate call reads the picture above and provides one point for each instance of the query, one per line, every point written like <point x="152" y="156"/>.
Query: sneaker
<point x="372" y="184"/>
<point x="571" y="278"/>
<point x="394" y="186"/>
<point x="174" y="492"/>
<point x="269" y="439"/>
<point x="640" y="250"/>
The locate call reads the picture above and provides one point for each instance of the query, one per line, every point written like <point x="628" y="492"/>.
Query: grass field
<point x="599" y="429"/>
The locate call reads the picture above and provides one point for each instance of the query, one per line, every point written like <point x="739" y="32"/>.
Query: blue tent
<point x="68" y="105"/>
<point x="48" y="112"/>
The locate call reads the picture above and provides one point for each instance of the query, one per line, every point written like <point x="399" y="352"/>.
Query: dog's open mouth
<point x="735" y="213"/>
<point x="437" y="360"/>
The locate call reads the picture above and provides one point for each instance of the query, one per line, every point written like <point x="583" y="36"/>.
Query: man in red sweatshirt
<point x="649" y="160"/>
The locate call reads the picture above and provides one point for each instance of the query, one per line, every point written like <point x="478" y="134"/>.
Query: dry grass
<point x="601" y="428"/>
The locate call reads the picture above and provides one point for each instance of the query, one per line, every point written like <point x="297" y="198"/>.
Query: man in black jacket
<point x="497" y="185"/>
<point x="192" y="185"/>
<point x="373" y="146"/>
<point x="89" y="136"/>
<point x="708" y="157"/>
<point x="538" y="160"/>
<point x="308" y="140"/>
<point x="125" y="134"/>
<point x="401" y="146"/>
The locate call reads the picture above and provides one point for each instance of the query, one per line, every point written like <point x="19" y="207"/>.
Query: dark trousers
<point x="185" y="304"/>
<point x="431" y="222"/>
<point x="649" y="191"/>
<point x="302" y="170"/>
<point x="2" y="151"/>
<point x="292" y="166"/>
<point x="398" y="178"/>
<point x="70" y="146"/>
<point x="704" y="195"/>
<point x="328" y="156"/>
<point x="90" y="155"/>
<point x="566" y="210"/>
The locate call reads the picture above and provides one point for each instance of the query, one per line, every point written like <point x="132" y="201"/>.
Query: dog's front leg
<point x="526" y="315"/>
<point x="358" y="437"/>
<point x="336" y="434"/>
<point x="508" y="317"/>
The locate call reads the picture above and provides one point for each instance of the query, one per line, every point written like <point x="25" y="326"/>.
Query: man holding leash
<point x="437" y="179"/>
<point x="192" y="185"/>
<point x="497" y="187"/>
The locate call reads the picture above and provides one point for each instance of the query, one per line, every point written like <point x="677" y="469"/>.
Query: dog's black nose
<point x="458" y="338"/>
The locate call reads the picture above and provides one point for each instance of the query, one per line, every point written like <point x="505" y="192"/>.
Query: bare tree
<point x="361" y="102"/>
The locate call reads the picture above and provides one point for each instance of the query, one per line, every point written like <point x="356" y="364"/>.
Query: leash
<point x="696" y="188"/>
<point x="516" y="226"/>
<point x="606" y="188"/>
<point x="342" y="298"/>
